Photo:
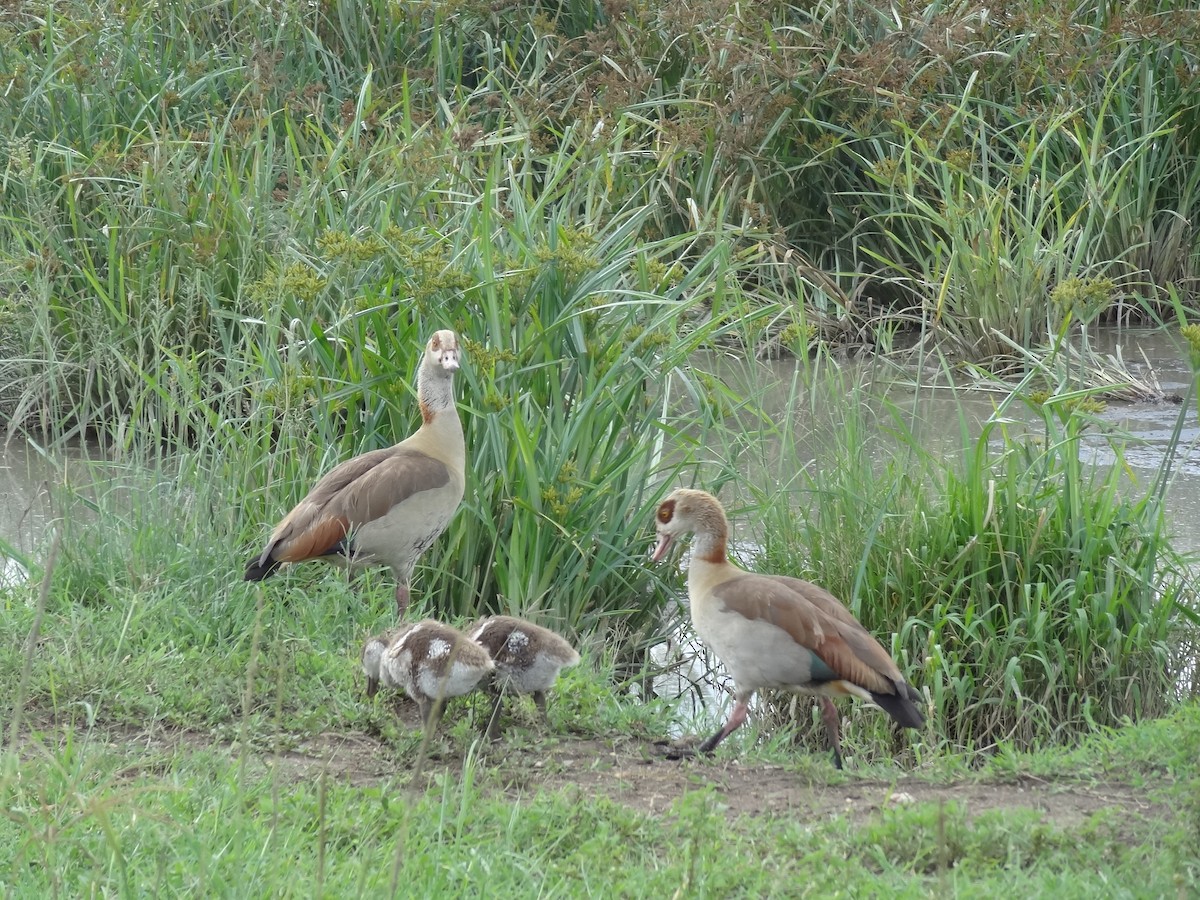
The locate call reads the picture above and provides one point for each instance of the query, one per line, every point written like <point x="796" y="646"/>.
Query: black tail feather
<point x="257" y="570"/>
<point x="902" y="706"/>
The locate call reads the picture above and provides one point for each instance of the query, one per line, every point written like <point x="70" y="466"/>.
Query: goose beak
<point x="450" y="361"/>
<point x="372" y="686"/>
<point x="660" y="547"/>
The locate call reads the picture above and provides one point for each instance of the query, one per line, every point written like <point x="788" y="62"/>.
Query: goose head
<point x="442" y="351"/>
<point x="687" y="511"/>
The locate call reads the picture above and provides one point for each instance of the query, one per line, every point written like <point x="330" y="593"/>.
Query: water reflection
<point x="29" y="479"/>
<point x="941" y="417"/>
<point x="25" y="480"/>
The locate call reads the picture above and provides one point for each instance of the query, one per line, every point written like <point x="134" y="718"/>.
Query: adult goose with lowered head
<point x="772" y="631"/>
<point x="385" y="507"/>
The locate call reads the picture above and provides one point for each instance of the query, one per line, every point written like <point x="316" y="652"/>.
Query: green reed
<point x="986" y="213"/>
<point x="165" y="163"/>
<point x="229" y="228"/>
<point x="1029" y="596"/>
<point x="572" y="336"/>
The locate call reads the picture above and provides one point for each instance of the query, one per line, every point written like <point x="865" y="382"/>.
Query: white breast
<point x="539" y="675"/>
<point x="458" y="681"/>
<point x="756" y="653"/>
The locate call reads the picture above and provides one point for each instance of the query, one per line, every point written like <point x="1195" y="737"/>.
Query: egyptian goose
<point x="528" y="659"/>
<point x="772" y="631"/>
<point x="432" y="662"/>
<point x="385" y="507"/>
<point x="372" y="655"/>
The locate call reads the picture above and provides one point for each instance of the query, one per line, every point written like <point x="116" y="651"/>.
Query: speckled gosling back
<point x="528" y="659"/>
<point x="433" y="662"/>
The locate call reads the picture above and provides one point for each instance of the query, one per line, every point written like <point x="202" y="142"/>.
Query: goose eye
<point x="666" y="511"/>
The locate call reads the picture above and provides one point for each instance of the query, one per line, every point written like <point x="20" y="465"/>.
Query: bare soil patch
<point x="638" y="774"/>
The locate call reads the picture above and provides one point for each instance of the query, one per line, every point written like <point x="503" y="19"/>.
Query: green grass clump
<point x="1030" y="597"/>
<point x="567" y="353"/>
<point x="183" y="185"/>
<point x="241" y="262"/>
<point x="131" y="817"/>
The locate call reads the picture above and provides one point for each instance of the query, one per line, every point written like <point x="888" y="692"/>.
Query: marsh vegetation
<point x="228" y="229"/>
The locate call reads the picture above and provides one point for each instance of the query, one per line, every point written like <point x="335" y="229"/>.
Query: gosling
<point x="432" y="662"/>
<point x="528" y="659"/>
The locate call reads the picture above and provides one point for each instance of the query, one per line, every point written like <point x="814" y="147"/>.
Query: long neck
<point x="439" y="416"/>
<point x="435" y="391"/>
<point x="445" y="430"/>
<point x="711" y="538"/>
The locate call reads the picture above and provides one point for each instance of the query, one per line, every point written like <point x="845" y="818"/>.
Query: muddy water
<point x="937" y="414"/>
<point x="26" y="477"/>
<point x="934" y="413"/>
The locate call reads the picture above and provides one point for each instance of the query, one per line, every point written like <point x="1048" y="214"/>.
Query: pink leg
<point x="741" y="710"/>
<point x="401" y="600"/>
<point x="833" y="726"/>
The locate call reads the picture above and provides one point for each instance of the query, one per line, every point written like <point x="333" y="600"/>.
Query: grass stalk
<point x="31" y="643"/>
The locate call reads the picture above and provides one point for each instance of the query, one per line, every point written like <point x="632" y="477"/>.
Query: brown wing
<point x="864" y="644"/>
<point x="816" y="620"/>
<point x="359" y="490"/>
<point x="403" y="474"/>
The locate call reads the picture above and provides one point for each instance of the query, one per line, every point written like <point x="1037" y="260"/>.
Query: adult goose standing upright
<point x="772" y="631"/>
<point x="385" y="507"/>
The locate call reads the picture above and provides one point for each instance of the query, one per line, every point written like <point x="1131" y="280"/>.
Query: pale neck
<point x="445" y="428"/>
<point x="709" y="545"/>
<point x="435" y="390"/>
<point x="439" y="415"/>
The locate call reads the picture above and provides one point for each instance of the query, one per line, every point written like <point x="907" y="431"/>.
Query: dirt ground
<point x="640" y="774"/>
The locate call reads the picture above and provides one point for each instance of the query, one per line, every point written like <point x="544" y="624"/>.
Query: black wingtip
<point x="257" y="570"/>
<point x="901" y="708"/>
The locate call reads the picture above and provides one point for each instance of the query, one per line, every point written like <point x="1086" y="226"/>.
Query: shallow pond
<point x="936" y="414"/>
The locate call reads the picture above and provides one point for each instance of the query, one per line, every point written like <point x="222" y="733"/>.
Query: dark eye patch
<point x="666" y="511"/>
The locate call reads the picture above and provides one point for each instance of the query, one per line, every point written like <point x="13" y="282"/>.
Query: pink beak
<point x="450" y="362"/>
<point x="660" y="547"/>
